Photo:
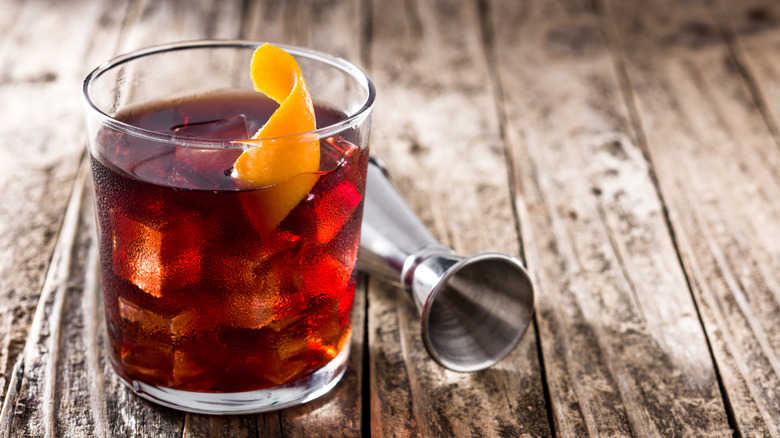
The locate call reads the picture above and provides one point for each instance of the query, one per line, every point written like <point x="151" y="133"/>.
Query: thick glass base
<point x="269" y="399"/>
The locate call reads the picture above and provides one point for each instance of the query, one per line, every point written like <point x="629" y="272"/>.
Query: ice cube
<point x="194" y="336"/>
<point x="333" y="208"/>
<point x="206" y="167"/>
<point x="281" y="245"/>
<point x="324" y="333"/>
<point x="187" y="369"/>
<point x="146" y="341"/>
<point x="139" y="322"/>
<point x="320" y="274"/>
<point x="282" y="371"/>
<point x="329" y="275"/>
<point x="274" y="248"/>
<point x="286" y="317"/>
<point x="203" y="168"/>
<point x="136" y="254"/>
<point x="150" y="207"/>
<point x="345" y="244"/>
<point x="151" y="360"/>
<point x="129" y="311"/>
<point x="249" y="285"/>
<point x="252" y="310"/>
<point x="156" y="260"/>
<point x="241" y="282"/>
<point x="287" y="358"/>
<point x="309" y="343"/>
<point x="291" y="344"/>
<point x="346" y="300"/>
<point x="184" y="326"/>
<point x="229" y="128"/>
<point x="325" y="286"/>
<point x="337" y="152"/>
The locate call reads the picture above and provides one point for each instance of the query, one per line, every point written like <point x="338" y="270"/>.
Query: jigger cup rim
<point x="526" y="297"/>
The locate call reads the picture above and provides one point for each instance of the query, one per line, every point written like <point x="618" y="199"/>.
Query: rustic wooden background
<point x="626" y="150"/>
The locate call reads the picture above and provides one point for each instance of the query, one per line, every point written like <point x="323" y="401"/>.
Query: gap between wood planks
<point x="606" y="21"/>
<point x="607" y="24"/>
<point x="494" y="77"/>
<point x="54" y="288"/>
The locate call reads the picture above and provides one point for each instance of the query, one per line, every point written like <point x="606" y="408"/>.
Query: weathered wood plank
<point x="36" y="407"/>
<point x="624" y="352"/>
<point x="717" y="166"/>
<point x="42" y="142"/>
<point x="436" y="127"/>
<point x="751" y="27"/>
<point x="332" y="26"/>
<point x="149" y="22"/>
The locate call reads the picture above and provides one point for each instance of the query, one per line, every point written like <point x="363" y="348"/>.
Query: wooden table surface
<point x="625" y="150"/>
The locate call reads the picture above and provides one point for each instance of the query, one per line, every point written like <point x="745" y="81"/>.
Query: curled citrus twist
<point x="286" y="155"/>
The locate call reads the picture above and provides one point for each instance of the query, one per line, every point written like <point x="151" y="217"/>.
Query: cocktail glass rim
<point x="352" y="120"/>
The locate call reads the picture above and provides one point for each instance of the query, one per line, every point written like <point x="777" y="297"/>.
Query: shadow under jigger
<point x="474" y="310"/>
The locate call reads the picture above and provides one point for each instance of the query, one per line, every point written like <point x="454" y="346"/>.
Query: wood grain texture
<point x="626" y="150"/>
<point x="437" y="128"/>
<point x="42" y="142"/>
<point x="332" y="26"/>
<point x="624" y="352"/>
<point x="717" y="166"/>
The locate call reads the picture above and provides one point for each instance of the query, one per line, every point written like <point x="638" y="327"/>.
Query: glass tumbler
<point x="222" y="298"/>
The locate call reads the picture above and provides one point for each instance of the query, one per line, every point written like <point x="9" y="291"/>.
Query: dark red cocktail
<point x="200" y="295"/>
<point x="197" y="297"/>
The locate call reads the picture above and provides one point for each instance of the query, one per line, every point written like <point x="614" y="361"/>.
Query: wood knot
<point x="415" y="148"/>
<point x="695" y="34"/>
<point x="759" y="15"/>
<point x="615" y="148"/>
<point x="759" y="19"/>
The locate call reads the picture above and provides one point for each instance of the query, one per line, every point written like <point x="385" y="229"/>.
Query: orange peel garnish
<point x="286" y="155"/>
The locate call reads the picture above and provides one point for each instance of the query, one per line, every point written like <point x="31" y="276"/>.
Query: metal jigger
<point x="474" y="310"/>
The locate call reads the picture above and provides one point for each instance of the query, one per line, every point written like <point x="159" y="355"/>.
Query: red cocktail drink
<point x="205" y="301"/>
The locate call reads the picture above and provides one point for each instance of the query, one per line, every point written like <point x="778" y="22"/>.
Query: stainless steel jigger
<point x="474" y="310"/>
